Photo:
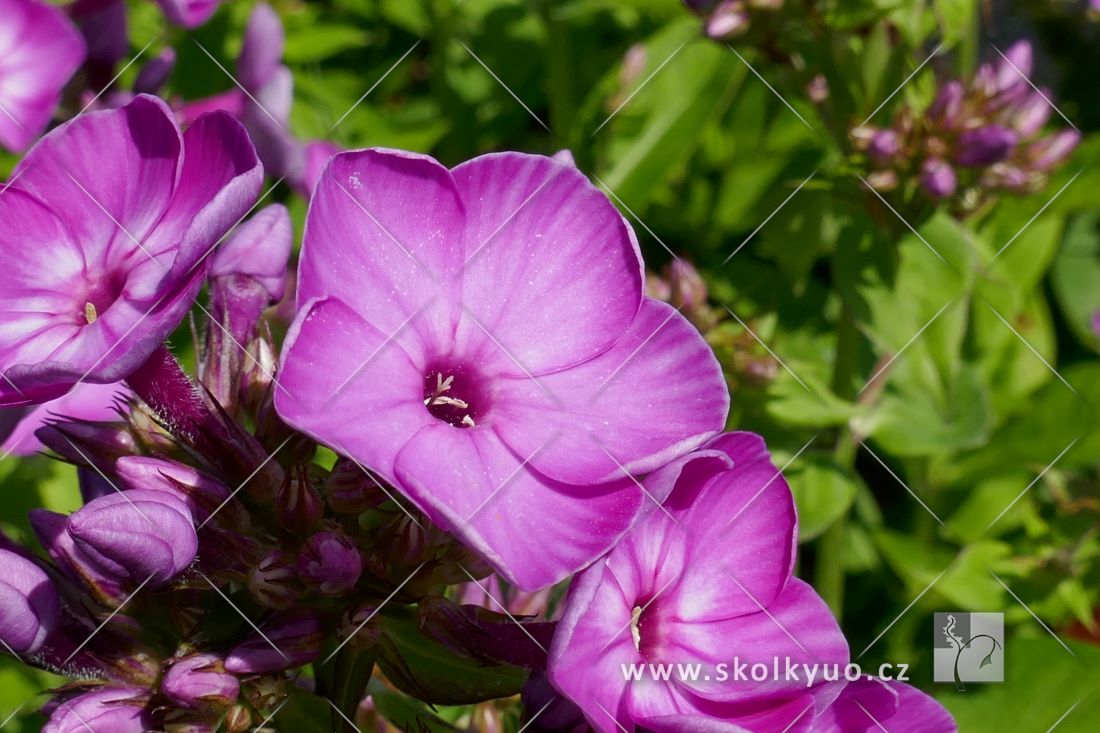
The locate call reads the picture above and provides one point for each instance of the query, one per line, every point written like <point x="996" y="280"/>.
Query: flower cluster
<point x="973" y="140"/>
<point x="476" y="401"/>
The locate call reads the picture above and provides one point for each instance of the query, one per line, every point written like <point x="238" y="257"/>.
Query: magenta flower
<point x="29" y="603"/>
<point x="706" y="580"/>
<point x="105" y="230"/>
<point x="873" y="705"/>
<point x="39" y="51"/>
<point x="479" y="337"/>
<point x="188" y="13"/>
<point x="85" y="402"/>
<point x="200" y="679"/>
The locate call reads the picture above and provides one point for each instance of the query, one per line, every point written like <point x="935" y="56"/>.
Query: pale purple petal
<point x="84" y="402"/>
<point x="545" y="253"/>
<point x="262" y="51"/>
<point x="622" y="411"/>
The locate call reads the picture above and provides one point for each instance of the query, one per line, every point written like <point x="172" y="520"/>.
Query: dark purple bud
<point x="200" y="680"/>
<point x="351" y="490"/>
<point x="298" y="506"/>
<point x="50" y="528"/>
<point x="29" y="604"/>
<point x="984" y="146"/>
<point x="545" y="710"/>
<point x="84" y="443"/>
<point x="947" y="104"/>
<point x="884" y="145"/>
<point x="1032" y="113"/>
<point x="274" y="581"/>
<point x="136" y="536"/>
<point x="361" y="626"/>
<point x="937" y="178"/>
<point x="727" y="20"/>
<point x="155" y="74"/>
<point x="103" y="25"/>
<point x="202" y="493"/>
<point x="114" y="709"/>
<point x="92" y="484"/>
<point x="290" y="640"/>
<point x="1051" y="150"/>
<point x="330" y="562"/>
<point x="262" y="50"/>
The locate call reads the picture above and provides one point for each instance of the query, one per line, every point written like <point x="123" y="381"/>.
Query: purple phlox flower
<point x="330" y="562"/>
<point x="29" y="603"/>
<point x="200" y="679"/>
<point x="39" y="51"/>
<point x="138" y="536"/>
<point x="289" y="640"/>
<point x="84" y="402"/>
<point x="985" y="146"/>
<point x="188" y="13"/>
<point x="99" y="273"/>
<point x="707" y="579"/>
<point x="937" y="177"/>
<point x="115" y="709"/>
<point x="479" y="338"/>
<point x="873" y="705"/>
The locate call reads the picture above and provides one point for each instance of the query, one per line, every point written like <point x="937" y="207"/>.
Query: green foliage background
<point x="996" y="374"/>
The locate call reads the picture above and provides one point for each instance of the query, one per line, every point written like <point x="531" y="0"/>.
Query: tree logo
<point x="969" y="647"/>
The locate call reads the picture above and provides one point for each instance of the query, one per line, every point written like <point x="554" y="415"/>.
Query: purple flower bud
<point x="361" y="626"/>
<point x="137" y="536"/>
<point x="195" y="680"/>
<point x="547" y="710"/>
<point x="114" y="709"/>
<point x="331" y="562"/>
<point x="29" y="604"/>
<point x="298" y="506"/>
<point x="727" y="20"/>
<point x="155" y="73"/>
<point x="201" y="492"/>
<point x="947" y="104"/>
<point x="937" y="178"/>
<point x="50" y="529"/>
<point x="351" y="490"/>
<point x="274" y="581"/>
<point x="1032" y="113"/>
<point x="1051" y="150"/>
<point x="290" y="640"/>
<point x="258" y="249"/>
<point x="984" y="146"/>
<point x="1014" y="68"/>
<point x="262" y="51"/>
<point x="884" y="145"/>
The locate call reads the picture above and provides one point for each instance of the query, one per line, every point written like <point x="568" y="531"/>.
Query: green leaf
<point x="822" y="493"/>
<point x="438" y="675"/>
<point x="319" y="41"/>
<point x="304" y="712"/>
<point x="404" y="712"/>
<point x="1075" y="277"/>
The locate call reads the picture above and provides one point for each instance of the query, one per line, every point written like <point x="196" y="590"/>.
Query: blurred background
<point x="883" y="214"/>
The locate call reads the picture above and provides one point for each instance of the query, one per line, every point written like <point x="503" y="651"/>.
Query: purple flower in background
<point x="479" y="337"/>
<point x="198" y="679"/>
<point x="135" y="537"/>
<point x="39" y="51"/>
<point x="84" y="402"/>
<point x="29" y="604"/>
<point x="188" y="13"/>
<point x="103" y="25"/>
<point x="114" y="709"/>
<point x="984" y="146"/>
<point x="706" y="579"/>
<point x="104" y="233"/>
<point x="937" y="177"/>
<point x="873" y="705"/>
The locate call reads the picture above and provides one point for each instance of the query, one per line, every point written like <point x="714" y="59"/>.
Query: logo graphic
<point x="969" y="647"/>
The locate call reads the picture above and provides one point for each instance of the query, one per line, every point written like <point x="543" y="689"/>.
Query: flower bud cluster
<point x="973" y="140"/>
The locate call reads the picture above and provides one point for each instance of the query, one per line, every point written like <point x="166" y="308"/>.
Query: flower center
<point x="100" y="296"/>
<point x="452" y="395"/>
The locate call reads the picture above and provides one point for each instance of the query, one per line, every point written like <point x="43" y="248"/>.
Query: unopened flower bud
<point x="274" y="581"/>
<point x="140" y="536"/>
<point x="238" y="719"/>
<point x="201" y="492"/>
<point x="361" y="626"/>
<point x="937" y="178"/>
<point x="298" y="506"/>
<point x="155" y="73"/>
<point x="200" y="680"/>
<point x="727" y="20"/>
<point x="290" y="640"/>
<point x="1051" y="150"/>
<point x="947" y="105"/>
<point x="1032" y="113"/>
<point x="114" y="709"/>
<point x="88" y="443"/>
<point x="330" y="562"/>
<point x="884" y="145"/>
<point x="351" y="490"/>
<point x="984" y="146"/>
<point x="29" y="604"/>
<point x="50" y="527"/>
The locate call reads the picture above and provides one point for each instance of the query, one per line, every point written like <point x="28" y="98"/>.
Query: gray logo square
<point x="968" y="647"/>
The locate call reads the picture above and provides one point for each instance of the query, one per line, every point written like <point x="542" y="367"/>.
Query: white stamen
<point x="90" y="314"/>
<point x="468" y="421"/>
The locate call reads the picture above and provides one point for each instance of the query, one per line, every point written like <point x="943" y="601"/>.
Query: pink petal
<point x="347" y="385"/>
<point x="84" y="402"/>
<point x="552" y="271"/>
<point x="656" y="394"/>
<point x="534" y="531"/>
<point x="384" y="235"/>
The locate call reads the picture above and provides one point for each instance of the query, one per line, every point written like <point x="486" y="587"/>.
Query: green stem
<point x="829" y="565"/>
<point x="559" y="75"/>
